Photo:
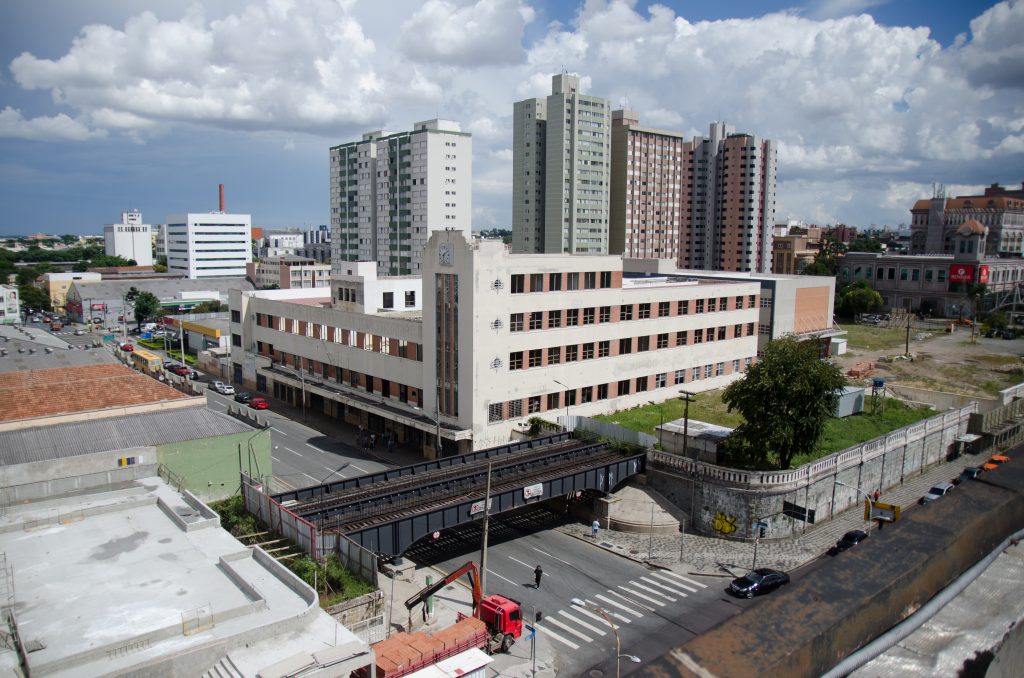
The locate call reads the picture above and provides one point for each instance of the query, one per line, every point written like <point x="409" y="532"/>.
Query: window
<point x="603" y="349"/>
<point x="536" y="282"/>
<point x="236" y="317"/>
<point x="737" y="331"/>
<point x="588" y="316"/>
<point x="588" y="351"/>
<point x="915" y="275"/>
<point x="723" y="304"/>
<point x="752" y="301"/>
<point x="736" y="365"/>
<point x="389" y="300"/>
<point x="553" y="401"/>
<point x="606" y="279"/>
<point x="663" y="309"/>
<point x="721" y="333"/>
<point x="236" y="339"/>
<point x="554" y="355"/>
<point x="663" y="340"/>
<point x="604" y="314"/>
<point x="681" y="337"/>
<point x="708" y="371"/>
<point x="554" y="319"/>
<point x="536" y="357"/>
<point x="573" y="282"/>
<point x="410" y="299"/>
<point x="766" y="302"/>
<point x="928" y="275"/>
<point x="903" y="274"/>
<point x="643" y="344"/>
<point x="515" y="322"/>
<point x="644" y="312"/>
<point x="709" y="334"/>
<point x="515" y="408"/>
<point x="570" y="397"/>
<point x="533" y="405"/>
<point x="719" y="369"/>
<point x="590" y="280"/>
<point x="623" y="388"/>
<point x="739" y="303"/>
<point x="680" y="376"/>
<point x="517" y="283"/>
<point x="625" y="313"/>
<point x="700" y="306"/>
<point x="602" y="389"/>
<point x="695" y="374"/>
<point x="495" y="412"/>
<point x="572" y="317"/>
<point x="659" y="380"/>
<point x="682" y="308"/>
<point x="747" y="362"/>
<point x="515" y="360"/>
<point x="641" y="384"/>
<point x="625" y="346"/>
<point x="750" y="329"/>
<point x="572" y="353"/>
<point x="536" y="320"/>
<point x="698" y="336"/>
<point x="711" y="306"/>
<point x="764" y="329"/>
<point x="555" y="282"/>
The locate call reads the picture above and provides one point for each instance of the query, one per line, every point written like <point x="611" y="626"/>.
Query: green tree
<point x="864" y="243"/>
<point x="212" y="306"/>
<point x="34" y="297"/>
<point x="785" y="399"/>
<point x="975" y="293"/>
<point x="860" y="300"/>
<point x="146" y="306"/>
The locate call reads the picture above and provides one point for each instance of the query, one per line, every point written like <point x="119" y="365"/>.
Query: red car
<point x="180" y="370"/>
<point x="259" y="404"/>
<point x="127" y="347"/>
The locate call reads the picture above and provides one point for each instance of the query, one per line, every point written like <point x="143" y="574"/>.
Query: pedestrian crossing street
<point x="623" y="605"/>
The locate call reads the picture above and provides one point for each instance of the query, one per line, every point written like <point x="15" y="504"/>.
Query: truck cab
<point x="502" y="615"/>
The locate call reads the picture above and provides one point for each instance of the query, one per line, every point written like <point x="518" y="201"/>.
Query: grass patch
<point x="874" y="338"/>
<point x="706" y="406"/>
<point x="859" y="428"/>
<point x="332" y="581"/>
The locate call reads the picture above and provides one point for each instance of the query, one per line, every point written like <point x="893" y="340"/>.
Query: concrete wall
<point x="725" y="502"/>
<point x="42" y="479"/>
<point x="939" y="399"/>
<point x="209" y="467"/>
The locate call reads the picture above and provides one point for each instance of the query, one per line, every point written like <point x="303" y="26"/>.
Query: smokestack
<point x="221" y="197"/>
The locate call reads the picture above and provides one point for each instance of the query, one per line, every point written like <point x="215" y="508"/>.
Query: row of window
<point x="591" y="280"/>
<point x="369" y="383"/>
<point x="603" y="314"/>
<point x="364" y="340"/>
<point x="553" y="355"/>
<point x="513" y="409"/>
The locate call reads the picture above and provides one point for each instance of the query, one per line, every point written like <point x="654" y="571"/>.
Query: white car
<point x="79" y="332"/>
<point x="223" y="389"/>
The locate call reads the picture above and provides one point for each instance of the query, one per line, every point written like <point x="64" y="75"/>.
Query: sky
<point x="110" y="105"/>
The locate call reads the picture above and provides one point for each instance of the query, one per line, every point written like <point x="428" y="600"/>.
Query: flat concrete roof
<point x="139" y="574"/>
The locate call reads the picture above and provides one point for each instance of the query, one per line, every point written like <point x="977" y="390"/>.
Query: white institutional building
<point x="389" y="192"/>
<point x="130" y="239"/>
<point x="209" y="245"/>
<point x="486" y="339"/>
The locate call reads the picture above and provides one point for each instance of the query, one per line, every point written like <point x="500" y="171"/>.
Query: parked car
<point x="36" y="319"/>
<point x="120" y="318"/>
<point x="995" y="461"/>
<point x="756" y="582"/>
<point x="243" y="397"/>
<point x="97" y="320"/>
<point x="259" y="404"/>
<point x="222" y="388"/>
<point x="79" y="332"/>
<point x="127" y="347"/>
<point x="848" y="540"/>
<point x="179" y="370"/>
<point x="969" y="473"/>
<point x="938" y="491"/>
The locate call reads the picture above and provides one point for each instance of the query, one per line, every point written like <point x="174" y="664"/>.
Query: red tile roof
<point x="65" y="390"/>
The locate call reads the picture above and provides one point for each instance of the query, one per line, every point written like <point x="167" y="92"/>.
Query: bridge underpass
<point x="386" y="512"/>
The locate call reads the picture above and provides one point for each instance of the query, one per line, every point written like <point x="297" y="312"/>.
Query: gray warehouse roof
<point x="116" y="433"/>
<point x="37" y="349"/>
<point x="162" y="289"/>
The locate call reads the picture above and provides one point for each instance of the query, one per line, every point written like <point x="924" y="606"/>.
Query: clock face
<point x="446" y="254"/>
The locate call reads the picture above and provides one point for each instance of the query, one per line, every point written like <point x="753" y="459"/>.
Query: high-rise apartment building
<point x="209" y="245"/>
<point x="707" y="204"/>
<point x="389" y="192"/>
<point x="130" y="239"/>
<point x="561" y="164"/>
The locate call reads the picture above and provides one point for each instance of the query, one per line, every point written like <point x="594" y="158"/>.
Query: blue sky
<point x="112" y="104"/>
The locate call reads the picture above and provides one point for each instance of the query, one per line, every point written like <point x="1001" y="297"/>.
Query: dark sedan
<point x="756" y="582"/>
<point x="243" y="397"/>
<point x="851" y="538"/>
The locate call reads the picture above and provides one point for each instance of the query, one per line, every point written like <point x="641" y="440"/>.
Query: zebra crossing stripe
<point x="631" y="601"/>
<point x="663" y="586"/>
<point x="650" y="590"/>
<point x="596" y="617"/>
<point x="673" y="581"/>
<point x="612" y="602"/>
<point x="640" y="595"/>
<point x="552" y="634"/>
<point x="582" y="623"/>
<point x="611" y="613"/>
<point x="686" y="579"/>
<point x="584" y="638"/>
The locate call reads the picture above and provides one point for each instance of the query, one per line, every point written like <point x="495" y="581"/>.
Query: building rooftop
<point x="28" y="348"/>
<point x="161" y="288"/>
<point x="140" y="579"/>
<point x="66" y="390"/>
<point x="71" y="439"/>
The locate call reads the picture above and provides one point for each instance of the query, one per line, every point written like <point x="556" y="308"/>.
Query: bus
<point x="147" y="361"/>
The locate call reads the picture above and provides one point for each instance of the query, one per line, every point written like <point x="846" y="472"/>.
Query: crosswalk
<point x="616" y="607"/>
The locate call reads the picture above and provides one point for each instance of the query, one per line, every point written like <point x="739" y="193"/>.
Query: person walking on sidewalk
<point x="594" y="527"/>
<point x="537" y="574"/>
<point x="877" y="495"/>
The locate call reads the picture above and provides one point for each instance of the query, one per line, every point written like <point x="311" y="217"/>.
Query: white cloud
<point x="486" y="32"/>
<point x="43" y="128"/>
<point x="903" y="194"/>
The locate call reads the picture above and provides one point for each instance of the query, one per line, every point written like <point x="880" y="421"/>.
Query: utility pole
<point x="487" y="520"/>
<point x="687" y="398"/>
<point x="907" y="350"/>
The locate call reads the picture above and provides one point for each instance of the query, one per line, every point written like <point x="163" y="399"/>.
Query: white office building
<point x="389" y="192"/>
<point x="561" y="171"/>
<point x="130" y="239"/>
<point x="209" y="245"/>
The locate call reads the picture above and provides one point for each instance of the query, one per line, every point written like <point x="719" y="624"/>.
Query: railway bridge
<point x="386" y="512"/>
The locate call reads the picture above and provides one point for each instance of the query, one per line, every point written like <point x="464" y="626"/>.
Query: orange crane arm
<point x="427" y="591"/>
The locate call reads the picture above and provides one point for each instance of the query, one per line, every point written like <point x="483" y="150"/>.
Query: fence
<point x="608" y="430"/>
<point x="277" y="518"/>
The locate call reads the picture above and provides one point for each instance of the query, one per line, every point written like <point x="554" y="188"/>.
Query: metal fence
<point x="277" y="518"/>
<point x="608" y="430"/>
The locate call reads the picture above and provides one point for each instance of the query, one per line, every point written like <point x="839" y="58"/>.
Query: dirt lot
<point x="941" y="361"/>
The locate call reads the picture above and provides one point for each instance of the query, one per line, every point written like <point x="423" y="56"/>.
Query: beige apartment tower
<point x="561" y="171"/>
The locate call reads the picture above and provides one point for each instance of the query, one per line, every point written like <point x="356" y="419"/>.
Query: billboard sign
<point x="961" y="273"/>
<point x="99" y="307"/>
<point x="533" y="491"/>
<point x="876" y="510"/>
<point x="478" y="506"/>
<point x="983" y="274"/>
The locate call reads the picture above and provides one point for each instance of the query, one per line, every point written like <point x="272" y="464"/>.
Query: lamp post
<point x="687" y="398"/>
<point x="566" y="402"/>
<point x="661" y="426"/>
<point x="615" y="631"/>
<point x="867" y="496"/>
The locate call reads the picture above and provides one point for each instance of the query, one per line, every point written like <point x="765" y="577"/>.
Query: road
<point x="653" y="609"/>
<point x="304" y="456"/>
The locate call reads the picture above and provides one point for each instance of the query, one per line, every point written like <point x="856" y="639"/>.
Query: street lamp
<point x="615" y="631"/>
<point x="566" y="402"/>
<point x="661" y="426"/>
<point x="686" y="397"/>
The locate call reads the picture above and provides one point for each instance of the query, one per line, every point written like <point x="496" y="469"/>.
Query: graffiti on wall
<point x="724" y="524"/>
